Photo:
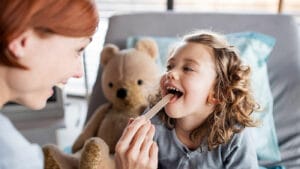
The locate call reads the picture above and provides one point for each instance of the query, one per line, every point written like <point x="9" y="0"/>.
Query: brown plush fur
<point x="129" y="78"/>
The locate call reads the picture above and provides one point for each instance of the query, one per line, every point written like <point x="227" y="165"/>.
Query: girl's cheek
<point x="162" y="81"/>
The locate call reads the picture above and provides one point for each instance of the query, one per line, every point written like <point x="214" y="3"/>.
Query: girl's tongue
<point x="173" y="99"/>
<point x="176" y="96"/>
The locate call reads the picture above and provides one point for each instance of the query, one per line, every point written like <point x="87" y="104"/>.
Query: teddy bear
<point x="130" y="78"/>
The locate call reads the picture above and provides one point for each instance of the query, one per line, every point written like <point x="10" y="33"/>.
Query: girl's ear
<point x="212" y="100"/>
<point x="17" y="45"/>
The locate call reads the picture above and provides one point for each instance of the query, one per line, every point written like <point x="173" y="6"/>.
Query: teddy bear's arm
<point x="91" y="128"/>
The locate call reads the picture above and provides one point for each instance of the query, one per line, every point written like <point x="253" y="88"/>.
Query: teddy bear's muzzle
<point x="122" y="93"/>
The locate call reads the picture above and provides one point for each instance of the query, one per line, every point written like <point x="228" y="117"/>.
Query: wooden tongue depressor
<point x="155" y="109"/>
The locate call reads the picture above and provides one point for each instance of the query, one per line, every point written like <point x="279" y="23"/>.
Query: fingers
<point x="153" y="155"/>
<point x="147" y="142"/>
<point x="140" y="136"/>
<point x="136" y="148"/>
<point x="129" y="133"/>
<point x="130" y="121"/>
<point x="148" y="154"/>
<point x="123" y="145"/>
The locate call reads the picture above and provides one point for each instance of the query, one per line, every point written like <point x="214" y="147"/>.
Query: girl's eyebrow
<point x="171" y="60"/>
<point x="188" y="60"/>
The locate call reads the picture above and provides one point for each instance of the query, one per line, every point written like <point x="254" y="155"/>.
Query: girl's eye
<point x="186" y="68"/>
<point x="169" y="67"/>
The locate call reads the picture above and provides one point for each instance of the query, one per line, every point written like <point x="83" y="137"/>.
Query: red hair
<point x="74" y="18"/>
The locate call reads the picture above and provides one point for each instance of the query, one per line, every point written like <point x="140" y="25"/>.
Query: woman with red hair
<point x="41" y="43"/>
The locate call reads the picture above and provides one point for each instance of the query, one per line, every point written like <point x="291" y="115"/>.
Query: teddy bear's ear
<point x="149" y="46"/>
<point x="107" y="53"/>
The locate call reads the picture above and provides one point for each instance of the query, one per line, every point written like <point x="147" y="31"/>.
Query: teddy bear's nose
<point x="121" y="93"/>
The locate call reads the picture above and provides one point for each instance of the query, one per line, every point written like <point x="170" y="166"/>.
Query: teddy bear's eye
<point x="110" y="84"/>
<point x="140" y="82"/>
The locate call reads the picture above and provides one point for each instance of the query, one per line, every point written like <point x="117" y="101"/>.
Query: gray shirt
<point x="16" y="152"/>
<point x="238" y="153"/>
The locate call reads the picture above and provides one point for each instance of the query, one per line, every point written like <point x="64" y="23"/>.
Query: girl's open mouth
<point x="176" y="92"/>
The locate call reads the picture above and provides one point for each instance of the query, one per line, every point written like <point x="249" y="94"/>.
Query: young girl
<point x="201" y="125"/>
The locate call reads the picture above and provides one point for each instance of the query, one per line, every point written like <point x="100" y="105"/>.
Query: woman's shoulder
<point x="5" y="123"/>
<point x="16" y="148"/>
<point x="10" y="133"/>
<point x="10" y="137"/>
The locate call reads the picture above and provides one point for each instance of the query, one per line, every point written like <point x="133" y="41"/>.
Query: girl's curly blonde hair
<point x="232" y="90"/>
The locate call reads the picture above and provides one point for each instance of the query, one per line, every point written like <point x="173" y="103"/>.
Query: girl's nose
<point x="172" y="75"/>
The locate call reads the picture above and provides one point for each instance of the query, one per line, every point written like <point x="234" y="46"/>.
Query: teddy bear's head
<point x="130" y="76"/>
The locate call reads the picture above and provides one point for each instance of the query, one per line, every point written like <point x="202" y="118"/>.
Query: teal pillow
<point x="273" y="167"/>
<point x="254" y="50"/>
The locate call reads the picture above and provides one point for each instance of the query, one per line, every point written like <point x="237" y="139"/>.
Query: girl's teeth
<point x="172" y="88"/>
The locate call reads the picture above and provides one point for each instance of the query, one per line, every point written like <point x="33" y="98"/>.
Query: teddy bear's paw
<point x="95" y="154"/>
<point x="55" y="159"/>
<point x="50" y="161"/>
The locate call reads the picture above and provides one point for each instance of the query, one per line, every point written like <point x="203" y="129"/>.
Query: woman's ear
<point x="17" y="45"/>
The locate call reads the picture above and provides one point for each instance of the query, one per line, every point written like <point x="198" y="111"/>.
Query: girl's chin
<point x="170" y="111"/>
